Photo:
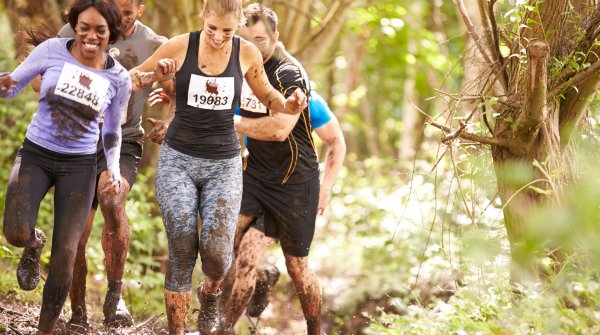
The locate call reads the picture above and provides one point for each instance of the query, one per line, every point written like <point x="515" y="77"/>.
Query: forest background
<point x="469" y="199"/>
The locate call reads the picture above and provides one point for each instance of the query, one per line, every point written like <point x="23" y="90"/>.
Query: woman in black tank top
<point x="199" y="168"/>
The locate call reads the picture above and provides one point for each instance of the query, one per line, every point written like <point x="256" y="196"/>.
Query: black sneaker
<point x="28" y="271"/>
<point x="265" y="280"/>
<point x="115" y="311"/>
<point x="209" y="317"/>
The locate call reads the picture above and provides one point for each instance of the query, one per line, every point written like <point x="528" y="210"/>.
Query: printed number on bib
<point x="249" y="102"/>
<point x="82" y="86"/>
<point x="211" y="92"/>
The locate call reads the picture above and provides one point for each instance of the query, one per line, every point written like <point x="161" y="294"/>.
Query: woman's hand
<point x="114" y="187"/>
<point x="6" y="84"/>
<point x="165" y="69"/>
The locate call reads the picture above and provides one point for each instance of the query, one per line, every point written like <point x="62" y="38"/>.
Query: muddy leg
<point x="115" y="243"/>
<point x="78" y="286"/>
<point x="309" y="291"/>
<point x="177" y="305"/>
<point x="252" y="247"/>
<point x="227" y="286"/>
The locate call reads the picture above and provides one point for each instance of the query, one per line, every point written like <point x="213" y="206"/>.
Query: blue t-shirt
<point x="320" y="113"/>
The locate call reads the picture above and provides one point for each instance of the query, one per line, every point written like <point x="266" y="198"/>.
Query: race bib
<point x="249" y="102"/>
<point x="211" y="92"/>
<point x="82" y="86"/>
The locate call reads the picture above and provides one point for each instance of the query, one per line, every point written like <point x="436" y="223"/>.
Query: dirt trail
<point x="19" y="318"/>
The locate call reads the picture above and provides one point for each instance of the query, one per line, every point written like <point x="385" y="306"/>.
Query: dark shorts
<point x="131" y="154"/>
<point x="288" y="212"/>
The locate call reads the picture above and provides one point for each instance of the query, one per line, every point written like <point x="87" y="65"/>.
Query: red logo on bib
<point x="85" y="81"/>
<point x="212" y="87"/>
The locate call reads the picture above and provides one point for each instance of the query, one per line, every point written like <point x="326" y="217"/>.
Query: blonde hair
<point x="224" y="7"/>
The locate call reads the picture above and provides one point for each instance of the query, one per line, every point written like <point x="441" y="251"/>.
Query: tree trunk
<point x="303" y="38"/>
<point x="31" y="14"/>
<point x="539" y="109"/>
<point x="534" y="125"/>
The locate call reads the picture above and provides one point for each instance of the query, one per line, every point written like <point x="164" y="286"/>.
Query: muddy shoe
<point x="116" y="313"/>
<point x="208" y="318"/>
<point x="78" y="327"/>
<point x="28" y="271"/>
<point x="265" y="280"/>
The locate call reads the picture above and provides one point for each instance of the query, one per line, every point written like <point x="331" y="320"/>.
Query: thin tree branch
<point x="496" y="40"/>
<point x="472" y="137"/>
<point x="472" y="32"/>
<point x="487" y="28"/>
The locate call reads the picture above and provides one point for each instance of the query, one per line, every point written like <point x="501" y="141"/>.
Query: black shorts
<point x="131" y="154"/>
<point x="289" y="211"/>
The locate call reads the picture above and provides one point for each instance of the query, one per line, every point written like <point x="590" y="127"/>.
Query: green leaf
<point x="507" y="14"/>
<point x="5" y="252"/>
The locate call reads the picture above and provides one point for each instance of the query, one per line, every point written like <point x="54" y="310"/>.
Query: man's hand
<point x="296" y="102"/>
<point x="158" y="97"/>
<point x="324" y="197"/>
<point x="159" y="130"/>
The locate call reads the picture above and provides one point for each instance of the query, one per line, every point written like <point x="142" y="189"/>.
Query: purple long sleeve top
<point x="74" y="101"/>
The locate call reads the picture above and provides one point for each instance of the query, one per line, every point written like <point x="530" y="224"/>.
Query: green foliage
<point x="388" y="237"/>
<point x="486" y="303"/>
<point x="567" y="305"/>
<point x="404" y="43"/>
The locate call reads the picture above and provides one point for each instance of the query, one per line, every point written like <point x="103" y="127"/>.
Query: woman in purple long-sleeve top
<point x="84" y="93"/>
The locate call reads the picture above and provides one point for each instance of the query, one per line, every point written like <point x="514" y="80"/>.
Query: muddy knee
<point x="19" y="237"/>
<point x="110" y="201"/>
<point x="216" y="261"/>
<point x="182" y="259"/>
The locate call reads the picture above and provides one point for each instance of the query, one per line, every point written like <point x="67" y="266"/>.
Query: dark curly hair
<point x="107" y="8"/>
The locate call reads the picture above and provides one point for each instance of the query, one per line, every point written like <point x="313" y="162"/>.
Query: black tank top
<point x="205" y="105"/>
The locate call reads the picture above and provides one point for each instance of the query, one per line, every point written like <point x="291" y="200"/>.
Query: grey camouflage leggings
<point x="186" y="185"/>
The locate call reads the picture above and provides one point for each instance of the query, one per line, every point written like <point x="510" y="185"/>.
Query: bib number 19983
<point x="214" y="93"/>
